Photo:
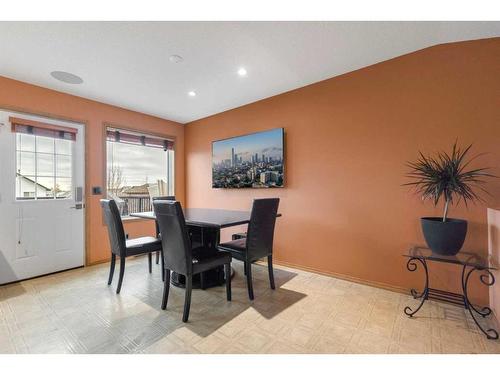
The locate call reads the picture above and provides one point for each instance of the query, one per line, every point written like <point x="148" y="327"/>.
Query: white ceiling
<point x="127" y="63"/>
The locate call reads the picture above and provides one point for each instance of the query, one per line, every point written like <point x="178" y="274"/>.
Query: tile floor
<point x="76" y="312"/>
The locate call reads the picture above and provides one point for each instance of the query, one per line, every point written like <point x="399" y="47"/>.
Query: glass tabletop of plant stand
<point x="470" y="263"/>
<point x="464" y="258"/>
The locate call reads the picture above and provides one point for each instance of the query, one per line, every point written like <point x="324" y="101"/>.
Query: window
<point x="139" y="167"/>
<point x="43" y="167"/>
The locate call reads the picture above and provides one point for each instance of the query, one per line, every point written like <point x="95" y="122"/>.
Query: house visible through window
<point x="139" y="167"/>
<point x="43" y="167"/>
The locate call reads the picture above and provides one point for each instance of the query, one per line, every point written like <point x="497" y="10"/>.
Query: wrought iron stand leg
<point x="487" y="279"/>
<point x="411" y="265"/>
<point x="485" y="311"/>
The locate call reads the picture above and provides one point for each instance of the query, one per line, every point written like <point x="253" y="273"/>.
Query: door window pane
<point x="45" y="144"/>
<point x="63" y="187"/>
<point x="25" y="187"/>
<point x="25" y="142"/>
<point x="45" y="165"/>
<point x="26" y="163"/>
<point x="63" y="166"/>
<point x="44" y="187"/>
<point x="63" y="146"/>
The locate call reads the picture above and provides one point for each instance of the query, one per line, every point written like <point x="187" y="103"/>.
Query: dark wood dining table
<point x="204" y="225"/>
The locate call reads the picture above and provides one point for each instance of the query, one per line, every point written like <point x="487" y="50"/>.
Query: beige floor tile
<point x="351" y="318"/>
<point x="282" y="347"/>
<point x="236" y="348"/>
<point x="366" y="342"/>
<point x="253" y="340"/>
<point x="274" y="326"/>
<point x="398" y="348"/>
<point x="214" y="343"/>
<point x="299" y="336"/>
<point x="169" y="345"/>
<point x="328" y="345"/>
<point x="380" y="327"/>
<point x="233" y="328"/>
<point x="410" y="338"/>
<point x="186" y="335"/>
<point x="333" y="339"/>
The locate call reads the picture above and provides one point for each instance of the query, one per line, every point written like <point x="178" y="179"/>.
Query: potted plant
<point x="444" y="177"/>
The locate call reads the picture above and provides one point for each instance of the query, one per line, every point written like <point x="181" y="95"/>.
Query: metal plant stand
<point x="470" y="263"/>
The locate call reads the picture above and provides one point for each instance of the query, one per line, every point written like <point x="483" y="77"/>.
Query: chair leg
<point x="120" y="277"/>
<point x="162" y="267"/>
<point x="187" y="299"/>
<point x="157" y="257"/>
<point x="112" y="268"/>
<point x="166" y="289"/>
<point x="202" y="280"/>
<point x="270" y="269"/>
<point x="249" y="280"/>
<point x="227" y="269"/>
<point x="150" y="262"/>
<point x="245" y="268"/>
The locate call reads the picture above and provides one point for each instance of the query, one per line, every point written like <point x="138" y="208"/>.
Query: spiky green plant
<point x="444" y="176"/>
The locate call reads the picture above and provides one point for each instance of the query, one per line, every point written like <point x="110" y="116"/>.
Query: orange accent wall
<point x="347" y="141"/>
<point x="15" y="95"/>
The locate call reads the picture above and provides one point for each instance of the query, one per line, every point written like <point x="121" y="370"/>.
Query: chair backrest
<point x="162" y="198"/>
<point x="175" y="239"/>
<point x="115" y="226"/>
<point x="260" y="234"/>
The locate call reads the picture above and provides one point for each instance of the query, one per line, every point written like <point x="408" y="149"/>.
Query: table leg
<point x="209" y="239"/>
<point x="487" y="279"/>
<point x="412" y="265"/>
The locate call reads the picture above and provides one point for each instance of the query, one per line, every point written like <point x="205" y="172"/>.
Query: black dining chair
<point x="120" y="245"/>
<point x="180" y="257"/>
<point x="161" y="198"/>
<point x="258" y="242"/>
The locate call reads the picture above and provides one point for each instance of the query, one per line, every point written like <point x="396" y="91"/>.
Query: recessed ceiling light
<point x="242" y="72"/>
<point x="191" y="93"/>
<point x="66" y="77"/>
<point x="175" y="59"/>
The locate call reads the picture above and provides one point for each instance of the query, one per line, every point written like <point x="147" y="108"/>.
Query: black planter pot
<point x="444" y="238"/>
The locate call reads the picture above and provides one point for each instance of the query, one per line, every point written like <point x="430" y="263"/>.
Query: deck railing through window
<point x="136" y="203"/>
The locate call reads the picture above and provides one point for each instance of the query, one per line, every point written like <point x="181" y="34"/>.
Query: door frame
<point x="85" y="124"/>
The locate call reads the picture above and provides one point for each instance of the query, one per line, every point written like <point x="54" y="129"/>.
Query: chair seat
<point x="238" y="248"/>
<point x="142" y="245"/>
<point x="205" y="259"/>
<point x="235" y="245"/>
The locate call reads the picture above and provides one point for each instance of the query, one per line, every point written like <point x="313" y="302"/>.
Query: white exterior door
<point x="41" y="200"/>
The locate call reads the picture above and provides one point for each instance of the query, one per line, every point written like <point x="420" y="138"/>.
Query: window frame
<point x="105" y="126"/>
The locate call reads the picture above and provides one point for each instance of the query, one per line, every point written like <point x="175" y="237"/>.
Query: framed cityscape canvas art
<point x="249" y="161"/>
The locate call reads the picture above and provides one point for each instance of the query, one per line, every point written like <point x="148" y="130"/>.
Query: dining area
<point x="200" y="187"/>
<point x="187" y="245"/>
